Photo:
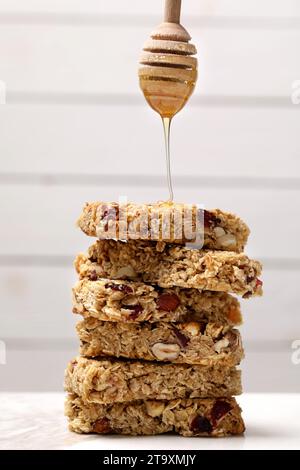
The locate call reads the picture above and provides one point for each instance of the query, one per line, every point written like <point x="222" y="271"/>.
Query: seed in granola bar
<point x="219" y="410"/>
<point x="101" y="426"/>
<point x="200" y="424"/>
<point x="119" y="287"/>
<point x="93" y="275"/>
<point x="168" y="302"/>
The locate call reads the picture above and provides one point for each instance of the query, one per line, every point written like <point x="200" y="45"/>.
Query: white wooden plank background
<point x="104" y="59"/>
<point x="32" y="309"/>
<point x="224" y="142"/>
<point x="235" y="146"/>
<point x="259" y="8"/>
<point x="40" y="220"/>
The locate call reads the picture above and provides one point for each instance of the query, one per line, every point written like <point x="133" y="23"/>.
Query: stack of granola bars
<point x="158" y="343"/>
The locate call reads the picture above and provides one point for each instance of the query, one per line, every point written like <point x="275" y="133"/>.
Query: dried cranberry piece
<point x="135" y="310"/>
<point x="102" y="426"/>
<point x="250" y="279"/>
<point x="258" y="283"/>
<point x="200" y="424"/>
<point x="219" y="410"/>
<point x="182" y="339"/>
<point x="133" y="316"/>
<point x="168" y="302"/>
<point x="119" y="287"/>
<point x="93" y="275"/>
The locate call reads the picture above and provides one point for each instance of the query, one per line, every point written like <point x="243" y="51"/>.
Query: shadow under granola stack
<point x="158" y="345"/>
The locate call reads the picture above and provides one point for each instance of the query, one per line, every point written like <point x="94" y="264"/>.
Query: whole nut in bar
<point x="126" y="271"/>
<point x="168" y="302"/>
<point x="227" y="241"/>
<point x="166" y="352"/>
<point x="219" y="232"/>
<point x="154" y="408"/>
<point x="192" y="328"/>
<point x="221" y="344"/>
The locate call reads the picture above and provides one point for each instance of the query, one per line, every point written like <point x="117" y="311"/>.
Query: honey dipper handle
<point x="172" y="11"/>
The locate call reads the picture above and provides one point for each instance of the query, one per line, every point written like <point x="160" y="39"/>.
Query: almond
<point x="166" y="352"/>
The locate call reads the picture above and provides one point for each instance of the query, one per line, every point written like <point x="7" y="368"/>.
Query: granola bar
<point x="213" y="417"/>
<point x="130" y="301"/>
<point x="110" y="380"/>
<point x="171" y="265"/>
<point x="207" y="344"/>
<point x="164" y="221"/>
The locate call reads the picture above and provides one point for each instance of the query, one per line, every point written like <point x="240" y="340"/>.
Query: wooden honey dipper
<point x="168" y="73"/>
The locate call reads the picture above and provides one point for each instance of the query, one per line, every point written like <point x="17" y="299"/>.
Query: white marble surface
<point x="36" y="421"/>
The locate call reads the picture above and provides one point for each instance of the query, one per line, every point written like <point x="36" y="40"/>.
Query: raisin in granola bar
<point x="207" y="344"/>
<point x="164" y="221"/>
<point x="131" y="301"/>
<point x="189" y="417"/>
<point x="171" y="265"/>
<point x="114" y="380"/>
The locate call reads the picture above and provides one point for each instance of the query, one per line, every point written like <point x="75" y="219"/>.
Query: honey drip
<point x="166" y="101"/>
<point x="167" y="125"/>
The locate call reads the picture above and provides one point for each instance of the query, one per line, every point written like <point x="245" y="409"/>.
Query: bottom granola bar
<point x="188" y="417"/>
<point x="112" y="380"/>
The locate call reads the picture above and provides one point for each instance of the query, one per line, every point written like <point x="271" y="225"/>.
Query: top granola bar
<point x="164" y="221"/>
